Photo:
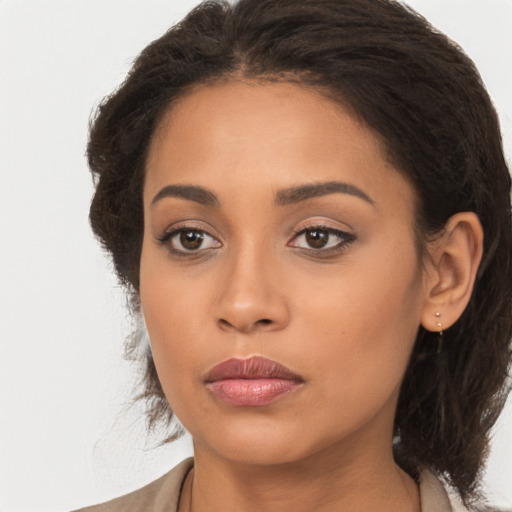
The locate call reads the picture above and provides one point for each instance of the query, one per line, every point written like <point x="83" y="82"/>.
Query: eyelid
<point x="175" y="229"/>
<point x="187" y="224"/>
<point x="346" y="237"/>
<point x="319" y="227"/>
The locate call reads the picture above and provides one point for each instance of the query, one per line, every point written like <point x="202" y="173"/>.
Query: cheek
<point x="364" y="324"/>
<point x="170" y="296"/>
<point x="175" y="303"/>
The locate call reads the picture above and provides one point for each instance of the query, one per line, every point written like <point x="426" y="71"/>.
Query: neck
<point x="330" y="481"/>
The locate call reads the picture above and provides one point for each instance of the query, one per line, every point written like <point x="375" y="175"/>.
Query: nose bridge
<point x="250" y="297"/>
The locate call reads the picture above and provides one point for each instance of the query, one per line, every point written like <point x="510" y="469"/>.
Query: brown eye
<point x="322" y="240"/>
<point x="183" y="241"/>
<point x="317" y="238"/>
<point x="191" y="240"/>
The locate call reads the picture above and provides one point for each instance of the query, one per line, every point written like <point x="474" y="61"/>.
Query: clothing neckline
<point x="433" y="495"/>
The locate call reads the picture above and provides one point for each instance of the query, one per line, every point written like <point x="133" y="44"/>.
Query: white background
<point x="66" y="437"/>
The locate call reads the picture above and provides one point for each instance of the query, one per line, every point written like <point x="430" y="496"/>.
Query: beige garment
<point x="162" y="495"/>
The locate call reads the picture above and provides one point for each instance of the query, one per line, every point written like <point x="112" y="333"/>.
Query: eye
<point x="189" y="240"/>
<point x="320" y="238"/>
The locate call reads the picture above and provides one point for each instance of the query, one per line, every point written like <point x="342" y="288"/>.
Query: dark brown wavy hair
<point x="424" y="98"/>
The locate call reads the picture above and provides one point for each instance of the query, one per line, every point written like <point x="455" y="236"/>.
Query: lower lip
<point x="252" y="392"/>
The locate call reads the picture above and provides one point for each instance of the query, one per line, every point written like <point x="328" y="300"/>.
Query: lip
<point x="255" y="381"/>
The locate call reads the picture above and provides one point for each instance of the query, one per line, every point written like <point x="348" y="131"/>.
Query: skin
<point x="344" y="319"/>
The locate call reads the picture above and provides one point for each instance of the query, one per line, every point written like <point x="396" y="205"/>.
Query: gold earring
<point x="440" y="332"/>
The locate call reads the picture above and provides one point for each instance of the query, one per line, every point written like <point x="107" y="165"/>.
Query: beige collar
<point x="433" y="496"/>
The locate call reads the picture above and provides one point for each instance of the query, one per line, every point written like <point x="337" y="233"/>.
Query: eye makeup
<point x="320" y="240"/>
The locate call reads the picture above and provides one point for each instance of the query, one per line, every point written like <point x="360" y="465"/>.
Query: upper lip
<point x="256" y="367"/>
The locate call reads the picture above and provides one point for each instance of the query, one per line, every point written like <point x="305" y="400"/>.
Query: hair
<point x="425" y="100"/>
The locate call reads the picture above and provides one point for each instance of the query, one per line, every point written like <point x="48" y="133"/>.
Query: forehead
<point x="242" y="135"/>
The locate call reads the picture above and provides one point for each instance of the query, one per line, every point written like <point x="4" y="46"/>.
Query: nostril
<point x="224" y="323"/>
<point x="241" y="326"/>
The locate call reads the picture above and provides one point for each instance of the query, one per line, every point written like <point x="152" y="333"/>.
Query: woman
<point x="309" y="203"/>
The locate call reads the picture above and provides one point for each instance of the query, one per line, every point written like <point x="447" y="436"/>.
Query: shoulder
<point x="433" y="495"/>
<point x="158" y="496"/>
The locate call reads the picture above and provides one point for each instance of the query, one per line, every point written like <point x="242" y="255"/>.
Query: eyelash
<point x="345" y="239"/>
<point x="166" y="240"/>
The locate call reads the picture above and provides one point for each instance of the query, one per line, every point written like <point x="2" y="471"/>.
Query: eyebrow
<point x="190" y="193"/>
<point x="292" y="195"/>
<point x="301" y="193"/>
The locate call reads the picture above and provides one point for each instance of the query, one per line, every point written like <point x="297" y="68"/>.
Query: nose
<point x="252" y="297"/>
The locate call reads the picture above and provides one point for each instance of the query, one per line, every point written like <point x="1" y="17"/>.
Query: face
<point x="276" y="228"/>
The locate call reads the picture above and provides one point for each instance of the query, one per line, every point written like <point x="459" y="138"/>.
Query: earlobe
<point x="454" y="260"/>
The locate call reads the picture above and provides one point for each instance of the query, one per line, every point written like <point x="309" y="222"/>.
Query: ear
<point x="451" y="271"/>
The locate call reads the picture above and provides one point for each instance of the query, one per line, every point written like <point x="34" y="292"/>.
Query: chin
<point x="260" y="454"/>
<point x="254" y="445"/>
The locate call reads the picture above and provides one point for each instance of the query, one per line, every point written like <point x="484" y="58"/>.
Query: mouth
<point x="256" y="381"/>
